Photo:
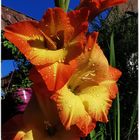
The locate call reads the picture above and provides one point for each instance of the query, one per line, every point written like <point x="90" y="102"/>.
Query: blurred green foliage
<point x="19" y="77"/>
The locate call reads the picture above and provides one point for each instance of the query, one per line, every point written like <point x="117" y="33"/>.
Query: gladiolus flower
<point x="97" y="6"/>
<point x="51" y="43"/>
<point x="87" y="97"/>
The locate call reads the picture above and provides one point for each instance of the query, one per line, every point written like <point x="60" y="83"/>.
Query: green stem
<point x="133" y="117"/>
<point x="109" y="123"/>
<point x="117" y="102"/>
<point x="67" y="5"/>
<point x="64" y="4"/>
<point x="118" y="117"/>
<point x="114" y="122"/>
<point x="92" y="135"/>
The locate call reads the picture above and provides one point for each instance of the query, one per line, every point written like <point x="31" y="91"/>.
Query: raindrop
<point x="97" y="95"/>
<point x="59" y="60"/>
<point x="92" y="74"/>
<point x="83" y="127"/>
<point x="89" y="49"/>
<point x="63" y="60"/>
<point x="34" y="49"/>
<point x="70" y="106"/>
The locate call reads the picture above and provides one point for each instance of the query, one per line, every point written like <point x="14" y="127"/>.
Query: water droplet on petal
<point x="59" y="60"/>
<point x="89" y="49"/>
<point x="62" y="60"/>
<point x="97" y="95"/>
<point x="83" y="127"/>
<point x="70" y="106"/>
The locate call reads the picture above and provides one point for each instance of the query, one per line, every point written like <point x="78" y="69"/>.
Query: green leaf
<point x="92" y="135"/>
<point x="116" y="106"/>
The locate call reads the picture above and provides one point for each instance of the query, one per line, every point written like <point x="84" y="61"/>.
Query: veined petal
<point x="97" y="6"/>
<point x="96" y="102"/>
<point x="54" y="21"/>
<point x="72" y="111"/>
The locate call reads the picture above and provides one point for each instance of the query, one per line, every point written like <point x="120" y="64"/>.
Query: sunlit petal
<point x="72" y="111"/>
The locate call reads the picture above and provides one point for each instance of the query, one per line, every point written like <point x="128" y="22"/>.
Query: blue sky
<point x="34" y="9"/>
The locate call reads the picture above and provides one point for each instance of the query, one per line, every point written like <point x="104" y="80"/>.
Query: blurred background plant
<point x="19" y="77"/>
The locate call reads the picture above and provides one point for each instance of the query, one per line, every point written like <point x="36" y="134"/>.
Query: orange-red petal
<point x="27" y="37"/>
<point x="97" y="6"/>
<point x="78" y="19"/>
<point x="115" y="74"/>
<point x="54" y="21"/>
<point x="56" y="75"/>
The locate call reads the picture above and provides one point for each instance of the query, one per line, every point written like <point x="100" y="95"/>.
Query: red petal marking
<point x="56" y="20"/>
